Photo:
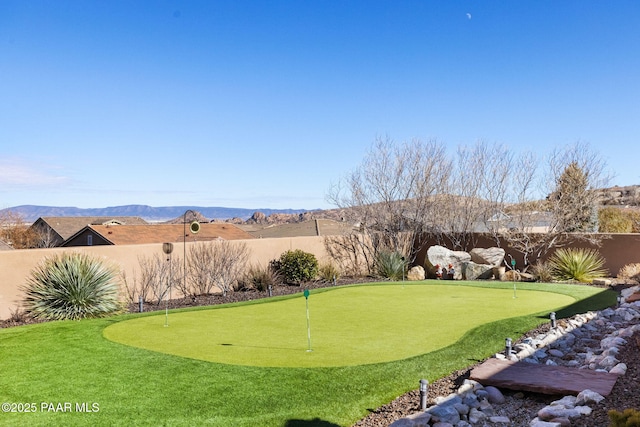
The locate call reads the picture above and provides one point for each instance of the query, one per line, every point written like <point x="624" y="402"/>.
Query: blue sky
<point x="266" y="103"/>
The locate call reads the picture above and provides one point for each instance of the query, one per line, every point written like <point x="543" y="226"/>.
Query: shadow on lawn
<point x="316" y="422"/>
<point x="599" y="301"/>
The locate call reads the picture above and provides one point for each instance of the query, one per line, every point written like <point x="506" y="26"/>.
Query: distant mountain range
<point x="32" y="212"/>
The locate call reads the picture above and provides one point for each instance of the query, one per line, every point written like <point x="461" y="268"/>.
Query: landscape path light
<point x="424" y="384"/>
<point x="507" y="348"/>
<point x="552" y="316"/>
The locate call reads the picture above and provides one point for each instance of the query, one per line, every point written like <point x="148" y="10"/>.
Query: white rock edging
<point x="570" y="344"/>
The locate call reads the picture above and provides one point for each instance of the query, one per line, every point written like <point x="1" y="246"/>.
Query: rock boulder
<point x="416" y="273"/>
<point x="491" y="256"/>
<point x="473" y="271"/>
<point x="443" y="256"/>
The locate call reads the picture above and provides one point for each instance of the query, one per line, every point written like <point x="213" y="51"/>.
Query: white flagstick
<point x="306" y="297"/>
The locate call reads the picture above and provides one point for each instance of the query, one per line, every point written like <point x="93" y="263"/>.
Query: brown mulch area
<point x="625" y="393"/>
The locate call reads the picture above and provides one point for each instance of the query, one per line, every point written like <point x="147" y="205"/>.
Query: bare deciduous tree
<point x="477" y="193"/>
<point x="569" y="213"/>
<point x="392" y="194"/>
<point x="349" y="252"/>
<point x="158" y="275"/>
<point x="401" y="191"/>
<point x="215" y="264"/>
<point x="15" y="231"/>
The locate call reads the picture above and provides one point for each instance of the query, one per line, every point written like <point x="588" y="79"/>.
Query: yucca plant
<point x="391" y="265"/>
<point x="72" y="286"/>
<point x="578" y="264"/>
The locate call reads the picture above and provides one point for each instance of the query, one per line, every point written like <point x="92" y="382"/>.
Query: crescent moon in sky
<point x="469" y="15"/>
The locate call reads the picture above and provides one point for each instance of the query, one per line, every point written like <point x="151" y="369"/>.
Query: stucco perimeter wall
<point x="15" y="266"/>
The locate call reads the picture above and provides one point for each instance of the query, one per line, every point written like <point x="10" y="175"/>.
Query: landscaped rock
<point x="550" y="412"/>
<point x="416" y="273"/>
<point x="633" y="297"/>
<point x="494" y="394"/>
<point x="476" y="415"/>
<point x="420" y="419"/>
<point x="511" y="276"/>
<point x="443" y="256"/>
<point x="473" y="271"/>
<point x="491" y="256"/>
<point x="619" y="369"/>
<point x="444" y="413"/>
<point x="536" y="422"/>
<point x="587" y="397"/>
<point x="527" y="277"/>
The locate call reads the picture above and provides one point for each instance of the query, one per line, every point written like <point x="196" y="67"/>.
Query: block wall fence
<point x="617" y="251"/>
<point x="16" y="265"/>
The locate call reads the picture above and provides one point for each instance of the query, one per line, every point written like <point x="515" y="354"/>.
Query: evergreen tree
<point x="573" y="203"/>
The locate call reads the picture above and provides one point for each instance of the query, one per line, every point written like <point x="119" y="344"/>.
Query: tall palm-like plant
<point x="578" y="264"/>
<point x="72" y="286"/>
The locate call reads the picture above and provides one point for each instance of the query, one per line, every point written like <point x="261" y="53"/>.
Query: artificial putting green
<point x="349" y="326"/>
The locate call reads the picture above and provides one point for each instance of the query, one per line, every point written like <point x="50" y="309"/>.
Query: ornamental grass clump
<point x="579" y="264"/>
<point x="258" y="278"/>
<point x="391" y="265"/>
<point x="627" y="418"/>
<point x="72" y="286"/>
<point x="541" y="270"/>
<point x="329" y="272"/>
<point x="630" y="272"/>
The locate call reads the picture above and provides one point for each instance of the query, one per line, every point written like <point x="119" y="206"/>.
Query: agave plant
<point x="391" y="265"/>
<point x="578" y="264"/>
<point x="71" y="286"/>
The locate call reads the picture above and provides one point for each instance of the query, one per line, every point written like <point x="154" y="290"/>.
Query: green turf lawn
<point x="350" y="326"/>
<point x="60" y="363"/>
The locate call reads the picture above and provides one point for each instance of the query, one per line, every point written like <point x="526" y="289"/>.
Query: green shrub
<point x="72" y="286"/>
<point x="578" y="264"/>
<point x="297" y="266"/>
<point x="391" y="265"/>
<point x="627" y="418"/>
<point x="328" y="272"/>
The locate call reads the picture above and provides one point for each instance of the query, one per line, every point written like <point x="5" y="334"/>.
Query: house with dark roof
<point x="117" y="234"/>
<point x="56" y="229"/>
